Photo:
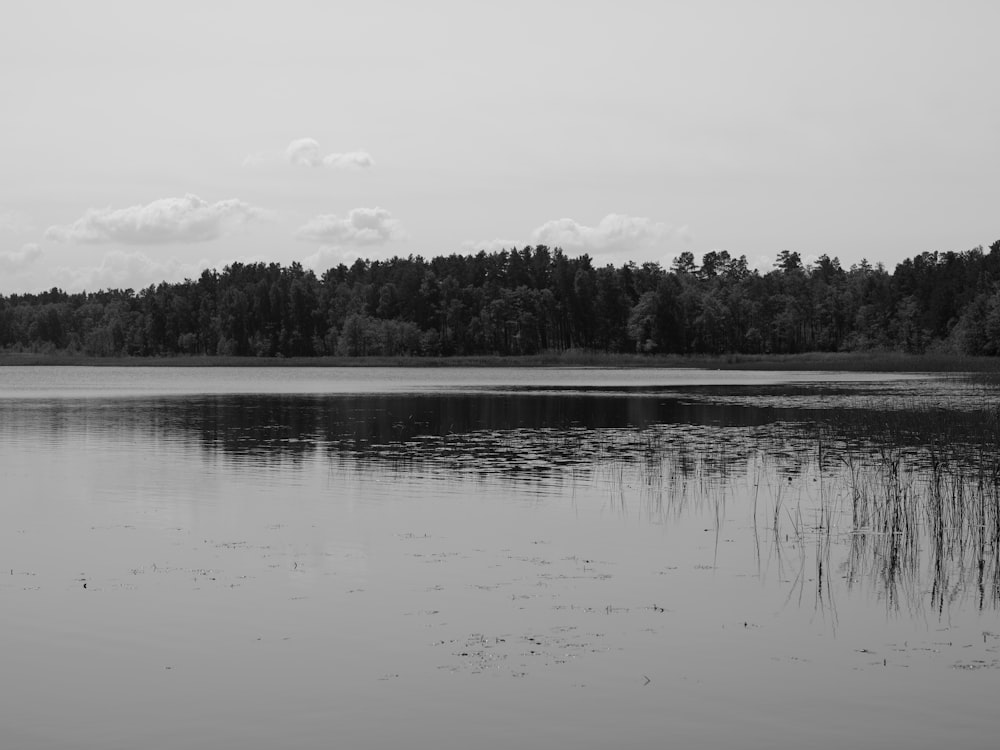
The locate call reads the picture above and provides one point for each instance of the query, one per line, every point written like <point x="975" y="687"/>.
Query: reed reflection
<point x="902" y="501"/>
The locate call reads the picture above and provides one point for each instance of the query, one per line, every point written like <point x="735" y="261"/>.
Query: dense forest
<point x="529" y="301"/>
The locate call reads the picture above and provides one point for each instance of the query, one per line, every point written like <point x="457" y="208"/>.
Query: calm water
<point x="299" y="558"/>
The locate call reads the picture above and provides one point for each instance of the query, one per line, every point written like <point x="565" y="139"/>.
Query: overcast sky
<point x="146" y="141"/>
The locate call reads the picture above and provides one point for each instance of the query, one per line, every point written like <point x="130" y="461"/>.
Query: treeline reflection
<point x="909" y="499"/>
<point x="496" y="432"/>
<point x="903" y="499"/>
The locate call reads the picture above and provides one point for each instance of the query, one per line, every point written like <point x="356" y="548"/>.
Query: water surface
<point x="481" y="558"/>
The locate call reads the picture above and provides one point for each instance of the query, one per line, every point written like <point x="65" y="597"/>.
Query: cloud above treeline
<point x="615" y="234"/>
<point x="490" y="246"/>
<point x="187" y="219"/>
<point x="120" y="269"/>
<point x="361" y="226"/>
<point x="15" y="261"/>
<point x="306" y="152"/>
<point x="329" y="256"/>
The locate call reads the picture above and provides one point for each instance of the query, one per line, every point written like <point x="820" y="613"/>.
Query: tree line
<point x="528" y="301"/>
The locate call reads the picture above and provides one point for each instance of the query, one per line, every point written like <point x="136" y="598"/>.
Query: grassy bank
<point x="875" y="361"/>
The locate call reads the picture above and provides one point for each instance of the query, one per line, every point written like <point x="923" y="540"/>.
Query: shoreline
<point x="875" y="361"/>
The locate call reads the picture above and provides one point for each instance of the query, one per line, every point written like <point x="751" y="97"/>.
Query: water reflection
<point x="503" y="432"/>
<point x="882" y="495"/>
<point x="273" y="570"/>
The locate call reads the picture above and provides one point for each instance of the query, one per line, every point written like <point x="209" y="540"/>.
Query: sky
<point x="145" y="142"/>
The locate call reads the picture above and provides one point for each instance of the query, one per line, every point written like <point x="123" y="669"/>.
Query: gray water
<point x="299" y="558"/>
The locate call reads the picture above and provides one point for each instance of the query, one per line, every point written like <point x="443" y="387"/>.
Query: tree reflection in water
<point x="890" y="496"/>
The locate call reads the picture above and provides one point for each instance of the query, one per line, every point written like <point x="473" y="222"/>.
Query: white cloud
<point x="127" y="270"/>
<point x="491" y="246"/>
<point x="352" y="159"/>
<point x="615" y="234"/>
<point x="305" y="152"/>
<point x="329" y="256"/>
<point x="187" y="219"/>
<point x="15" y="261"/>
<point x="361" y="226"/>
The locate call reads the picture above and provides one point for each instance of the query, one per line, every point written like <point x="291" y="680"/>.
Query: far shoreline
<point x="869" y="361"/>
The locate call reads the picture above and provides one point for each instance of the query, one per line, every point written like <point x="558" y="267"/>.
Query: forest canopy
<point x="529" y="301"/>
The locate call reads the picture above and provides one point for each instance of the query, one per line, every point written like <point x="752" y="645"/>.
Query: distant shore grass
<point x="873" y="361"/>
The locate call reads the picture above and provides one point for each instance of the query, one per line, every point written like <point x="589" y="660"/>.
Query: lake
<point x="487" y="558"/>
